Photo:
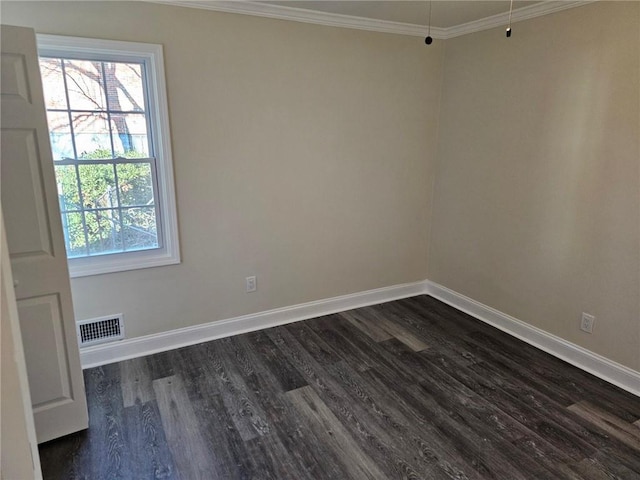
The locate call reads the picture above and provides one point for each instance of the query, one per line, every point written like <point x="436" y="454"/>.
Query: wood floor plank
<point x="613" y="425"/>
<point x="161" y="364"/>
<point x="527" y="407"/>
<point x="67" y="458"/>
<point x="228" y="452"/>
<point x="504" y="362"/>
<point x="442" y="314"/>
<point x="192" y="365"/>
<point x="424" y="442"/>
<point x="267" y="463"/>
<point x="545" y="418"/>
<point x="609" y="462"/>
<point x="455" y="457"/>
<point x="383" y="419"/>
<point x="441" y="394"/>
<point x="275" y="362"/>
<point x="223" y="441"/>
<point x="394" y="329"/>
<point x="321" y="352"/>
<point x="182" y="430"/>
<point x="503" y="464"/>
<point x="469" y="391"/>
<point x="135" y="382"/>
<point x="433" y="331"/>
<point x="553" y="371"/>
<point x="311" y="457"/>
<point x="360" y="350"/>
<point x="284" y="439"/>
<point x="411" y="389"/>
<point x="592" y="469"/>
<point x="369" y="327"/>
<point x="513" y="423"/>
<point x="108" y="457"/>
<point x="328" y="328"/>
<point x="375" y="441"/>
<point x="150" y="455"/>
<point x="319" y="335"/>
<point x="412" y="442"/>
<point x="247" y="416"/>
<point x="507" y="434"/>
<point x="320" y="419"/>
<point x="516" y="428"/>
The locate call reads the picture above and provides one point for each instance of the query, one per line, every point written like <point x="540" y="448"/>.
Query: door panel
<point x="41" y="322"/>
<point x="36" y="243"/>
<point x="29" y="233"/>
<point x="14" y="77"/>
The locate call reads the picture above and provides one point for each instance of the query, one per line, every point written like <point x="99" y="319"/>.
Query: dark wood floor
<point x="407" y="389"/>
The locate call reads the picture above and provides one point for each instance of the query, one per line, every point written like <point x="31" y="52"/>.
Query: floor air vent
<point x="100" y="330"/>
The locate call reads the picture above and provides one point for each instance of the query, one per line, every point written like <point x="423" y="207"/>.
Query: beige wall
<point x="537" y="203"/>
<point x="301" y="155"/>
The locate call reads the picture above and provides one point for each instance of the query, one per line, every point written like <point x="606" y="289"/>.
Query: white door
<point x="36" y="243"/>
<point x="18" y="446"/>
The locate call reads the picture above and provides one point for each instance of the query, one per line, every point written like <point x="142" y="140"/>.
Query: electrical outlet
<point x="252" y="284"/>
<point x="586" y="324"/>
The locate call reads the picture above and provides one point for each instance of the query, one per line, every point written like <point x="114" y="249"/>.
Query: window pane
<point x="68" y="193"/>
<point x="130" y="135"/>
<point x="53" y="83"/>
<point x="60" y="135"/>
<point x="103" y="230"/>
<point x="135" y="184"/>
<point x="85" y="86"/>
<point x="139" y="228"/>
<point x="91" y="131"/>
<point x="74" y="234"/>
<point x="124" y="86"/>
<point x="98" y="186"/>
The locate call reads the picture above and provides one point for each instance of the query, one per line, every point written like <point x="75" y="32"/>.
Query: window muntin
<point x="111" y="128"/>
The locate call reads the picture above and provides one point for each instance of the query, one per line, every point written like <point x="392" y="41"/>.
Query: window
<point x="108" y="126"/>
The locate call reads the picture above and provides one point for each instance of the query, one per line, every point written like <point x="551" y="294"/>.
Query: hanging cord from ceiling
<point x="429" y="40"/>
<point x="510" y="13"/>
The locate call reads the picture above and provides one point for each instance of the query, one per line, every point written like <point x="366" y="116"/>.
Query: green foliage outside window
<point x="118" y="202"/>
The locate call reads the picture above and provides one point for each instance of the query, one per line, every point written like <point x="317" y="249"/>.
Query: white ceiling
<point x="444" y="14"/>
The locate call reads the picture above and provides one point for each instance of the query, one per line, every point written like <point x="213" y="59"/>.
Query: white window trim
<point x="152" y="55"/>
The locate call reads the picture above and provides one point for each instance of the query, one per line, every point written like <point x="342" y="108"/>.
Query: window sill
<point x="120" y="262"/>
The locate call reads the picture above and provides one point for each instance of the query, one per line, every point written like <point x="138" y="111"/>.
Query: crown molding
<point x="268" y="10"/>
<point x="307" y="16"/>
<point x="502" y="19"/>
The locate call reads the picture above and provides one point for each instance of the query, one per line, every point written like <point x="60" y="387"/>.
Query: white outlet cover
<point x="587" y="322"/>
<point x="252" y="284"/>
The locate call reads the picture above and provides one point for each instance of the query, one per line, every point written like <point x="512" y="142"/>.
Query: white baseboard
<point x="181" y="337"/>
<point x="582" y="358"/>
